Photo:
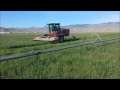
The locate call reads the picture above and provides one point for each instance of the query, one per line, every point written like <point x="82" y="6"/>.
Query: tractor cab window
<point x="54" y="27"/>
<point x="51" y="27"/>
<point x="57" y="27"/>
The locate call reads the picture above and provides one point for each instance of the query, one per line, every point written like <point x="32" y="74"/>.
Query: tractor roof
<point x="53" y="23"/>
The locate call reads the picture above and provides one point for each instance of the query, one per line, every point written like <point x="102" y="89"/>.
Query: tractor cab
<point x="54" y="27"/>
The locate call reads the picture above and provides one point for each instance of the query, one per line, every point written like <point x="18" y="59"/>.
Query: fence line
<point x="52" y="50"/>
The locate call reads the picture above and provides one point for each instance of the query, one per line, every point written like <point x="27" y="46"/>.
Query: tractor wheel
<point x="61" y="38"/>
<point x="73" y="38"/>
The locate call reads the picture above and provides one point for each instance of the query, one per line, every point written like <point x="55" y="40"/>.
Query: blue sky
<point x="40" y="18"/>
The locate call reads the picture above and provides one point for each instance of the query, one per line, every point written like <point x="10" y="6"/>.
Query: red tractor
<point x="56" y="34"/>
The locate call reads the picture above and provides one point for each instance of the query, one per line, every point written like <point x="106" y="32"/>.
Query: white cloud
<point x="110" y="18"/>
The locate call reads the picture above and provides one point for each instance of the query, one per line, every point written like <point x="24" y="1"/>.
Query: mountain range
<point x="102" y="27"/>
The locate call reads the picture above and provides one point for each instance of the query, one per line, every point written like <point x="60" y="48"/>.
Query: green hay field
<point x="90" y="62"/>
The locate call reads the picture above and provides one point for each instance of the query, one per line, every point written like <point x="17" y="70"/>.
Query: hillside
<point x="103" y="27"/>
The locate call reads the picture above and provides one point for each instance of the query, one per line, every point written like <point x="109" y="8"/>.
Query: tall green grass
<point x="90" y="62"/>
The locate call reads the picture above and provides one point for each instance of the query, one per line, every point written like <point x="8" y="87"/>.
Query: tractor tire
<point x="61" y="38"/>
<point x="73" y="38"/>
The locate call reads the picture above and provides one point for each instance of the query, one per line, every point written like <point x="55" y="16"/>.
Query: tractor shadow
<point x="70" y="40"/>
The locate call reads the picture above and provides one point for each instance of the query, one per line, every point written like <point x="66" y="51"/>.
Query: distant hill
<point x="2" y="29"/>
<point x="32" y="29"/>
<point x="103" y="27"/>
